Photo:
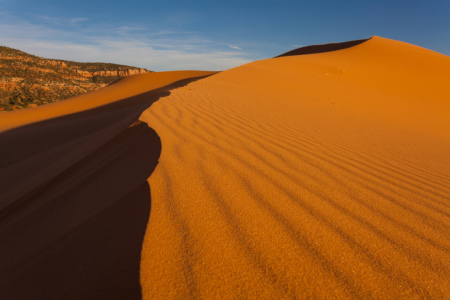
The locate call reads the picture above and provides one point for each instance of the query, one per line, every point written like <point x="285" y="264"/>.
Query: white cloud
<point x="157" y="50"/>
<point x="234" y="47"/>
<point x="135" y="54"/>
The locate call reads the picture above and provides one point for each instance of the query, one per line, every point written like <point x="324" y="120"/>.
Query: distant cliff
<point x="27" y="80"/>
<point x="120" y="73"/>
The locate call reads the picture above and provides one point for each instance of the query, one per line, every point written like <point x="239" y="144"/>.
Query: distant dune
<point x="323" y="176"/>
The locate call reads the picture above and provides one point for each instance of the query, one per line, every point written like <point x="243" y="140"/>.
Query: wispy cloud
<point x="130" y="44"/>
<point x="234" y="47"/>
<point x="59" y="21"/>
<point x="169" y="32"/>
<point x="134" y="53"/>
<point x="76" y="20"/>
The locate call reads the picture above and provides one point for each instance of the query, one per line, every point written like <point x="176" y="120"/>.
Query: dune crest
<point x="323" y="176"/>
<point x="315" y="49"/>
<point x="74" y="197"/>
<point x="307" y="176"/>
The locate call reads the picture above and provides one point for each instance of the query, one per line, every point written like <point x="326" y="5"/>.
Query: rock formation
<point x="27" y="79"/>
<point x="120" y="73"/>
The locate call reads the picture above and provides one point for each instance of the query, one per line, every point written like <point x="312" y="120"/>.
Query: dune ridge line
<point x="305" y="176"/>
<point x="74" y="194"/>
<point x="324" y="175"/>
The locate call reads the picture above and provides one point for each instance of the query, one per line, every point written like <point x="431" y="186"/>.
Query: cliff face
<point x="120" y="73"/>
<point x="27" y="80"/>
<point x="57" y="63"/>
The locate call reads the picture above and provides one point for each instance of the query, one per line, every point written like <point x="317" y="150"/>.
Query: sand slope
<point x="322" y="175"/>
<point x="311" y="176"/>
<point x="74" y="197"/>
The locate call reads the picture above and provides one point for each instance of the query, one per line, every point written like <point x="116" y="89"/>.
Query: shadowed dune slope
<point x="309" y="176"/>
<point x="314" y="49"/>
<point x="74" y="197"/>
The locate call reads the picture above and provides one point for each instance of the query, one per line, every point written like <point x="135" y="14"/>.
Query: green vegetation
<point x="95" y="67"/>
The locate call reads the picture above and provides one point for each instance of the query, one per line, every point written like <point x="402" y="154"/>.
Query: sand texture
<point x="311" y="175"/>
<point x="74" y="197"/>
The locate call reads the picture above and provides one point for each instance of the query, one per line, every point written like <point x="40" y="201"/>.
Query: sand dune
<point x="74" y="197"/>
<point x="322" y="173"/>
<point x="309" y="176"/>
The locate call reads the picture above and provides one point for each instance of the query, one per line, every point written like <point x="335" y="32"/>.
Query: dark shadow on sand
<point x="77" y="233"/>
<point x="41" y="136"/>
<point x="314" y="49"/>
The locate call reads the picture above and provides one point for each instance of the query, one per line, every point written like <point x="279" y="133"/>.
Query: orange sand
<point x="322" y="176"/>
<point x="312" y="176"/>
<point x="74" y="197"/>
<point x="125" y="88"/>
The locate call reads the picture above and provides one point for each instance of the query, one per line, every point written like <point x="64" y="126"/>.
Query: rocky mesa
<point x="27" y="80"/>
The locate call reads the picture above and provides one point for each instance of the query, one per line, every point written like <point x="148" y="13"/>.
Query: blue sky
<point x="211" y="34"/>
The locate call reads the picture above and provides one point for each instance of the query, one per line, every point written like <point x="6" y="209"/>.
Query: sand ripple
<point x="296" y="178"/>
